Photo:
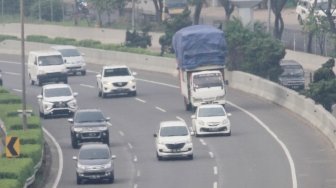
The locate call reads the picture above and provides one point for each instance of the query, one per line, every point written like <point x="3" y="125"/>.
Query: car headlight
<point x="200" y="122"/>
<point x="72" y="103"/>
<point x="102" y="128"/>
<point x="131" y="81"/>
<point x="108" y="165"/>
<point x="80" y="167"/>
<point x="47" y="105"/>
<point x="225" y="121"/>
<point x="105" y="82"/>
<point x="78" y="129"/>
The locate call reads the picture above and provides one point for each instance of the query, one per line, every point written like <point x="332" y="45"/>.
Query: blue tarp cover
<point x="199" y="45"/>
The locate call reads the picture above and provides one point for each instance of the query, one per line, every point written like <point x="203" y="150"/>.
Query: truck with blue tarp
<point x="200" y="52"/>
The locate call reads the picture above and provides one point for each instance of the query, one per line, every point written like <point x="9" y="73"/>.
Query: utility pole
<point x="269" y="16"/>
<point x="133" y="15"/>
<point x="24" y="106"/>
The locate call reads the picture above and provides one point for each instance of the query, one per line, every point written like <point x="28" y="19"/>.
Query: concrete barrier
<point x="305" y="107"/>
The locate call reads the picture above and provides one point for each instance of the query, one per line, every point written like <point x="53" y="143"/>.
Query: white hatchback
<point x="211" y="119"/>
<point x="57" y="99"/>
<point x="173" y="140"/>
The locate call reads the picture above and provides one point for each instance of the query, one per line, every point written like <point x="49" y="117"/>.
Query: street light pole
<point x="24" y="115"/>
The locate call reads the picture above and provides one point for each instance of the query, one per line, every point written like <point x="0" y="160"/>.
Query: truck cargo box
<point x="199" y="45"/>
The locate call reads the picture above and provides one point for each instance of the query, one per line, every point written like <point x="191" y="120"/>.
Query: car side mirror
<point x="70" y="120"/>
<point x="192" y="133"/>
<point x="155" y="135"/>
<point x="193" y="116"/>
<point x="113" y="157"/>
<point x="75" y="158"/>
<point x="135" y="73"/>
<point x="39" y="97"/>
<point x="229" y="114"/>
<point x="107" y="119"/>
<point x="98" y="76"/>
<point x="75" y="94"/>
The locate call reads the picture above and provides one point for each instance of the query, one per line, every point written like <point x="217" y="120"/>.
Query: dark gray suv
<point x="292" y="75"/>
<point x="89" y="125"/>
<point x="94" y="162"/>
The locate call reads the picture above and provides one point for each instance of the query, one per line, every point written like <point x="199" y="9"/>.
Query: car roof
<point x="61" y="47"/>
<point x="88" y="110"/>
<point x="172" y="123"/>
<point x="289" y="62"/>
<point x="94" y="145"/>
<point x="50" y="86"/>
<point x="114" y="66"/>
<point x="45" y="52"/>
<point x="210" y="106"/>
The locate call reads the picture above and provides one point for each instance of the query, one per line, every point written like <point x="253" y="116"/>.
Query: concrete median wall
<point x="305" y="107"/>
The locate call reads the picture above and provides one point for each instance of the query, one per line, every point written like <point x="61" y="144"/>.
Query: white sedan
<point x="211" y="119"/>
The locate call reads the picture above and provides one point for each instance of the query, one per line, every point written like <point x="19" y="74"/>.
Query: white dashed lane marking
<point x="143" y="101"/>
<point x="89" y="86"/>
<point x="202" y="142"/>
<point x="161" y="109"/>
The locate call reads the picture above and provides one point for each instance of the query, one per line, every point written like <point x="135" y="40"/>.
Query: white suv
<point x="211" y="119"/>
<point x="117" y="79"/>
<point x="57" y="99"/>
<point x="73" y="59"/>
<point x="173" y="140"/>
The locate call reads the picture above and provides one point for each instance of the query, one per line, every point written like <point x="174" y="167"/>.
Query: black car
<point x="94" y="162"/>
<point x="293" y="75"/>
<point x="89" y="125"/>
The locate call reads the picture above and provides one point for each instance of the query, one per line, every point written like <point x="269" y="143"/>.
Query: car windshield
<point x="210" y="112"/>
<point x="50" y="60"/>
<point x="69" y="52"/>
<point x="116" y="72"/>
<point x="207" y="80"/>
<point x="89" y="116"/>
<point x="292" y="71"/>
<point x="57" y="92"/>
<point x="94" y="153"/>
<point x="173" y="131"/>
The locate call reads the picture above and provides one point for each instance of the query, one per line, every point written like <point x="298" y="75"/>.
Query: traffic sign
<point x="12" y="146"/>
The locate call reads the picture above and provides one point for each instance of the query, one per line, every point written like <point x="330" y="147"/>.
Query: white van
<point x="46" y="66"/>
<point x="74" y="60"/>
<point x="304" y="7"/>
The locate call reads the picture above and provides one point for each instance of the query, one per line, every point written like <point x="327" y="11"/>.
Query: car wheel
<point x="134" y="93"/>
<point x="83" y="73"/>
<point x="159" y="157"/>
<point x="228" y="134"/>
<point x="111" y="179"/>
<point x="191" y="157"/>
<point x="74" y="142"/>
<point x="79" y="180"/>
<point x="42" y="115"/>
<point x="106" y="141"/>
<point x="39" y="82"/>
<point x="187" y="105"/>
<point x="65" y="80"/>
<point x="103" y="95"/>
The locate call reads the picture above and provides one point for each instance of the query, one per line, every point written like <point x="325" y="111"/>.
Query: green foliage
<point x="33" y="151"/>
<point x="323" y="92"/>
<point x="29" y="136"/>
<point x="9" y="110"/>
<point x="254" y="52"/>
<point x="9" y="183"/>
<point x="325" y="72"/>
<point x="39" y="38"/>
<point x="171" y="27"/>
<point x="49" y="12"/>
<point x="7" y="37"/>
<point x="89" y="43"/>
<point x="64" y="41"/>
<point x="15" y="123"/>
<point x="16" y="168"/>
<point x="7" y="98"/>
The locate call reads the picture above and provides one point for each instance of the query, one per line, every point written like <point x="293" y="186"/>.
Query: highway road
<point x="269" y="145"/>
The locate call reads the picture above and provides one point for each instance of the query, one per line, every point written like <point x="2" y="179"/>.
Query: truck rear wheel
<point x="187" y="105"/>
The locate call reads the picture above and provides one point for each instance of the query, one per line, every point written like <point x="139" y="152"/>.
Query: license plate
<point x="176" y="150"/>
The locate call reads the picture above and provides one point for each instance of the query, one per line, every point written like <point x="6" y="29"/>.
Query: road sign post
<point x="12" y="146"/>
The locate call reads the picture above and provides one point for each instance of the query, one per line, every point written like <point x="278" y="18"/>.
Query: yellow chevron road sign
<point x="12" y="146"/>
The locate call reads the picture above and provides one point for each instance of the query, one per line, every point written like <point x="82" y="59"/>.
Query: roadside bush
<point x="9" y="183"/>
<point x="9" y="109"/>
<point x="2" y="90"/>
<point x="15" y="123"/>
<point x="89" y="43"/>
<point x="29" y="136"/>
<point x="7" y="37"/>
<point x="16" y="168"/>
<point x="7" y="98"/>
<point x="39" y="38"/>
<point x="33" y="151"/>
<point x="64" y="41"/>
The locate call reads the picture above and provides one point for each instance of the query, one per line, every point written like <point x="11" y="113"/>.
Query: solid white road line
<point x="12" y="73"/>
<point x="283" y="146"/>
<point x="11" y="62"/>
<point x="60" y="159"/>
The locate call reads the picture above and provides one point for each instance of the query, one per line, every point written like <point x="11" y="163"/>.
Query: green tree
<point x="254" y="52"/>
<point x="228" y="8"/>
<point x="277" y="6"/>
<point x="323" y="92"/>
<point x="171" y="26"/>
<point x="325" y="72"/>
